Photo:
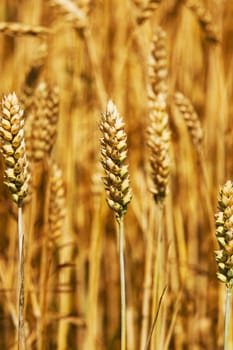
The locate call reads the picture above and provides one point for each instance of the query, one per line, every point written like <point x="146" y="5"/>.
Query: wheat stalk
<point x="117" y="186"/>
<point x="95" y="254"/>
<point x="43" y="135"/>
<point x="54" y="213"/>
<point x="160" y="164"/>
<point x="17" y="181"/>
<point x="158" y="141"/>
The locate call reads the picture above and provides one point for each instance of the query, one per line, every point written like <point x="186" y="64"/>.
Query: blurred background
<point x="84" y="53"/>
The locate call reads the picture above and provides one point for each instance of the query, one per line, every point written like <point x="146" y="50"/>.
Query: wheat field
<point x="65" y="59"/>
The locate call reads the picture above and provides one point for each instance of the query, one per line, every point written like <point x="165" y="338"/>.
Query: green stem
<point x="21" y="331"/>
<point x="122" y="281"/>
<point x="227" y="317"/>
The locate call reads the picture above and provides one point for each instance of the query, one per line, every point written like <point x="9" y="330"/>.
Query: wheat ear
<point x="18" y="29"/>
<point x="196" y="134"/>
<point x="190" y="117"/>
<point x="157" y="66"/>
<point x="117" y="186"/>
<point x="224" y="256"/>
<point x="17" y="181"/>
<point x="205" y="19"/>
<point x="148" y="11"/>
<point x="56" y="202"/>
<point x="159" y="142"/>
<point x="44" y="127"/>
<point x="72" y="12"/>
<point x="113" y="155"/>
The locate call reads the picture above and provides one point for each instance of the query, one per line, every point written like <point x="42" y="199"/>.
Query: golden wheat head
<point x="159" y="143"/>
<point x="224" y="230"/>
<point x="13" y="148"/>
<point x="113" y="155"/>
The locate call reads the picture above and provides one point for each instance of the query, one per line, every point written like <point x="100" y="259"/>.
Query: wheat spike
<point x="158" y="131"/>
<point x="148" y="11"/>
<point x="13" y="148"/>
<point x="205" y="19"/>
<point x="224" y="229"/>
<point x="71" y="12"/>
<point x="113" y="155"/>
<point x="190" y="117"/>
<point x="56" y="202"/>
<point x="18" y="29"/>
<point x="44" y="128"/>
<point x="157" y="66"/>
<point x="159" y="142"/>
